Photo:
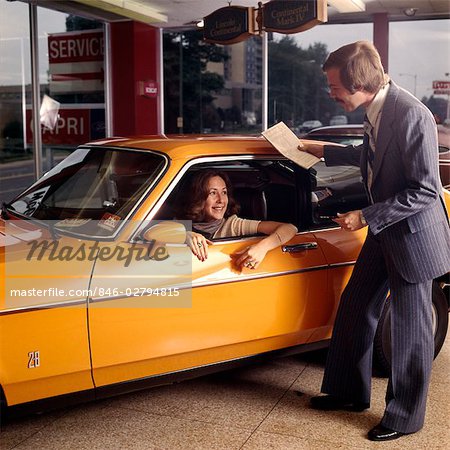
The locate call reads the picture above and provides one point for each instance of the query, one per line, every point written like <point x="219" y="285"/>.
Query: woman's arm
<point x="278" y="234"/>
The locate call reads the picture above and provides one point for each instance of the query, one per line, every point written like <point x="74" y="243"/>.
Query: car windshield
<point x="90" y="184"/>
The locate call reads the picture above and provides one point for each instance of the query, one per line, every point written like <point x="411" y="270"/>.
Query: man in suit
<point x="407" y="245"/>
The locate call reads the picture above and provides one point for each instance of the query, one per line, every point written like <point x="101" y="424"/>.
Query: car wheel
<point x="382" y="343"/>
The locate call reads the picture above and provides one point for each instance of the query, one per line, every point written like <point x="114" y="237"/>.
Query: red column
<point x="135" y="56"/>
<point x="381" y="37"/>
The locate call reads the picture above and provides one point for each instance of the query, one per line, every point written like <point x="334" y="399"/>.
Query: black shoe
<point x="332" y="403"/>
<point x="381" y="433"/>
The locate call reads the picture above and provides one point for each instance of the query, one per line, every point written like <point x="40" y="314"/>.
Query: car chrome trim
<point x="194" y="284"/>
<point x="342" y="264"/>
<point x="181" y="287"/>
<point x="23" y="309"/>
<point x="236" y="279"/>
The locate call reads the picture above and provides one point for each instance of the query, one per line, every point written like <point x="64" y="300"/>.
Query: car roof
<point x="192" y="146"/>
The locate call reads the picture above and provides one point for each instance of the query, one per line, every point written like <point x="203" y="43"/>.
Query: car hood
<point x="16" y="234"/>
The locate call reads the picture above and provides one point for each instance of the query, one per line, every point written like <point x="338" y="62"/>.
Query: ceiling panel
<point x="182" y="12"/>
<point x="185" y="13"/>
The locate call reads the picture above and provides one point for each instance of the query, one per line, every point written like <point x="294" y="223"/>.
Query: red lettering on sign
<point x="75" y="47"/>
<point x="72" y="128"/>
<point x="441" y="84"/>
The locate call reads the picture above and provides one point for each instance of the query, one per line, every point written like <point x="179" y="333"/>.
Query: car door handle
<point x="299" y="247"/>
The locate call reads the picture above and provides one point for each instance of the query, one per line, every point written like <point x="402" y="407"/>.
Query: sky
<point x="419" y="49"/>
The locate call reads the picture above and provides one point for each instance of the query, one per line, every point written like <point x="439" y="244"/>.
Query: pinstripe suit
<point x="408" y="244"/>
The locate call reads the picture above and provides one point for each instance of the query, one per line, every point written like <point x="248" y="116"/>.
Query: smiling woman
<point x="213" y="212"/>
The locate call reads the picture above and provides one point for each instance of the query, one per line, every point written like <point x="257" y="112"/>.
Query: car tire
<point x="382" y="342"/>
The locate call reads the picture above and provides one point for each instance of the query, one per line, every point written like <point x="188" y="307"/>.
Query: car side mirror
<point x="167" y="232"/>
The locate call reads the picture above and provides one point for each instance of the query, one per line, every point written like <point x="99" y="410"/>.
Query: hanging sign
<point x="293" y="16"/>
<point x="229" y="25"/>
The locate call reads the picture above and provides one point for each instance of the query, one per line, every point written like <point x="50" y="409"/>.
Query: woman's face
<point x="216" y="202"/>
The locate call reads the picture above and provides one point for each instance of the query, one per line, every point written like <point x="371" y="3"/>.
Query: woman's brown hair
<point x="359" y="66"/>
<point x="197" y="194"/>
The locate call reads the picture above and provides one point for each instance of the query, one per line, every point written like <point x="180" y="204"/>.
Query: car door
<point x="44" y="349"/>
<point x="211" y="312"/>
<point x="336" y="189"/>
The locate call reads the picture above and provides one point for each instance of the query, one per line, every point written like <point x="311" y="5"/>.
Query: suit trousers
<point x="348" y="369"/>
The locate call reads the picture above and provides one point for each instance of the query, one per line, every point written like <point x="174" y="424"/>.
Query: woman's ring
<point x="200" y="245"/>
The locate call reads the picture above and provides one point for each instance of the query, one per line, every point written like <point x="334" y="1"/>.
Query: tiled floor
<point x="261" y="407"/>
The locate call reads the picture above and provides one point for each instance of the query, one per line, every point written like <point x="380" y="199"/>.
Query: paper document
<point x="286" y="142"/>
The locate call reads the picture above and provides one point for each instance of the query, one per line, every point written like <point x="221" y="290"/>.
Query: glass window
<point x="416" y="70"/>
<point x="220" y="89"/>
<point x="90" y="183"/>
<point x="15" y="75"/>
<point x="71" y="74"/>
<point x="298" y="91"/>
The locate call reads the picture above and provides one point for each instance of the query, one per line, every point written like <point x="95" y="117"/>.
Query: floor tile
<point x="240" y="397"/>
<point x="121" y="429"/>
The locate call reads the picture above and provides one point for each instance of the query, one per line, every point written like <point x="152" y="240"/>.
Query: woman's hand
<point x="252" y="256"/>
<point x="198" y="244"/>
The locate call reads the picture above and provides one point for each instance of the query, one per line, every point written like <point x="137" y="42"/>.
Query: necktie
<point x="369" y="145"/>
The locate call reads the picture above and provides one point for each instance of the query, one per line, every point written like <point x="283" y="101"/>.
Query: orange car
<point x="100" y="294"/>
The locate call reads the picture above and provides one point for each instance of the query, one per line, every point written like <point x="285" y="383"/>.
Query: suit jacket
<point x="408" y="214"/>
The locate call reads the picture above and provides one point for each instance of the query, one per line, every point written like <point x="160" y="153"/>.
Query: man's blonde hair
<point x="359" y="66"/>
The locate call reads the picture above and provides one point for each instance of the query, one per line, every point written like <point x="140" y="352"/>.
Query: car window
<point x="90" y="184"/>
<point x="264" y="189"/>
<point x="335" y="189"/>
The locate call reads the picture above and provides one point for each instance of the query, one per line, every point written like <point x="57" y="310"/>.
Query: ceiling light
<point x="410" y="12"/>
<point x="346" y="6"/>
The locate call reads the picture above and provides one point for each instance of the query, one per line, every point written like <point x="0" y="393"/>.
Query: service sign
<point x="229" y="25"/>
<point x="293" y="16"/>
<point x="76" y="62"/>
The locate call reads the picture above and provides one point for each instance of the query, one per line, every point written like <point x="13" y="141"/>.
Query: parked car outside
<point x="352" y="134"/>
<point x="309" y="125"/>
<point x="444" y="154"/>
<point x="100" y="293"/>
<point x="339" y="120"/>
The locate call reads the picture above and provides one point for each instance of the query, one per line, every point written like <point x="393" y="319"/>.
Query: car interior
<point x="279" y="190"/>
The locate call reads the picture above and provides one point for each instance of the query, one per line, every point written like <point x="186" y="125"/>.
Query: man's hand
<point x="314" y="149"/>
<point x="350" y="221"/>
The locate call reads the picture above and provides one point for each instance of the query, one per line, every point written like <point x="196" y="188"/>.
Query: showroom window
<point x="220" y="88"/>
<point x="71" y="85"/>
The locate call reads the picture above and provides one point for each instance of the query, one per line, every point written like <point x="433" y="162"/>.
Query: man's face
<point x="343" y="96"/>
